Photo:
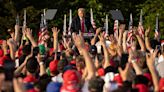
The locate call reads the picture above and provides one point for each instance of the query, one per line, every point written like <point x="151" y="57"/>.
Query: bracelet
<point x="41" y="63"/>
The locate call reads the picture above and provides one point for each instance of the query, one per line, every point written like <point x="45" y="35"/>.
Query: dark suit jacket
<point x="76" y="25"/>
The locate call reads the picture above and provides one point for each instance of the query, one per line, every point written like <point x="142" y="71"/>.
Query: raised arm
<point x="150" y="60"/>
<point x="93" y="41"/>
<point x="4" y="47"/>
<point x="124" y="42"/>
<point x="147" y="42"/>
<point x="140" y="40"/>
<point x="12" y="48"/>
<point x="79" y="42"/>
<point x="105" y="50"/>
<point x="20" y="68"/>
<point x="17" y="34"/>
<point x="121" y="31"/>
<point x="55" y="35"/>
<point x="133" y="60"/>
<point x="28" y="34"/>
<point x="41" y="64"/>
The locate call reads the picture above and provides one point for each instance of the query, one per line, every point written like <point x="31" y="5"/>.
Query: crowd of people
<point x="103" y="63"/>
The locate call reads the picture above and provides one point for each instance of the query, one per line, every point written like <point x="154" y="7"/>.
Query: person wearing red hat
<point x="71" y="81"/>
<point x="53" y="67"/>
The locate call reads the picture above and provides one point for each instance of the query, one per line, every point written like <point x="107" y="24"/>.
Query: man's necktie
<point x="82" y="26"/>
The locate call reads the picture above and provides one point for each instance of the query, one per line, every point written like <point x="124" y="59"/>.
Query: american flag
<point x="130" y="32"/>
<point x="92" y="20"/>
<point x="116" y="29"/>
<point x="43" y="33"/>
<point x="140" y="26"/>
<point x="157" y="31"/>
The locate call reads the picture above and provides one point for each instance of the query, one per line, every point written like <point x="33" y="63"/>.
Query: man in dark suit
<point x="81" y="23"/>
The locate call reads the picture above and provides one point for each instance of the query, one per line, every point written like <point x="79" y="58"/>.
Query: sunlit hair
<point x="81" y="9"/>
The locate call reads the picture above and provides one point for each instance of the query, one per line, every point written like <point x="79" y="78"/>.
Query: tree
<point x="150" y="10"/>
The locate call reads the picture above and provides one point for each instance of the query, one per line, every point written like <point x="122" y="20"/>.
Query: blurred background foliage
<point x="10" y="8"/>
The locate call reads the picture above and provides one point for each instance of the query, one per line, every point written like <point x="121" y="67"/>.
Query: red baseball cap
<point x="53" y="65"/>
<point x="70" y="77"/>
<point x="118" y="79"/>
<point x="101" y="72"/>
<point x="70" y="81"/>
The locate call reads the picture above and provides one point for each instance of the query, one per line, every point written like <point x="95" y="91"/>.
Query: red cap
<point x="101" y="72"/>
<point x="70" y="77"/>
<point x="53" y="65"/>
<point x="29" y="78"/>
<point x="142" y="88"/>
<point x="161" y="85"/>
<point x="118" y="79"/>
<point x="70" y="81"/>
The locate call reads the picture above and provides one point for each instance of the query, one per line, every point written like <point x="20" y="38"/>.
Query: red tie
<point x="82" y="26"/>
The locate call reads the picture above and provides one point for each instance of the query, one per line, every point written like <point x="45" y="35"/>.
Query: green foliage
<point x="150" y="9"/>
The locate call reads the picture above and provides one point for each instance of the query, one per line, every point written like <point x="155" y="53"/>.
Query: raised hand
<point x="10" y="42"/>
<point x="135" y="31"/>
<point x="98" y="30"/>
<point x="150" y="58"/>
<point x="122" y="28"/>
<point x="147" y="31"/>
<point x="124" y="73"/>
<point x="28" y="33"/>
<point x="78" y="41"/>
<point x="17" y="27"/>
<point x="55" y="31"/>
<point x="102" y="39"/>
<point x="113" y="39"/>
